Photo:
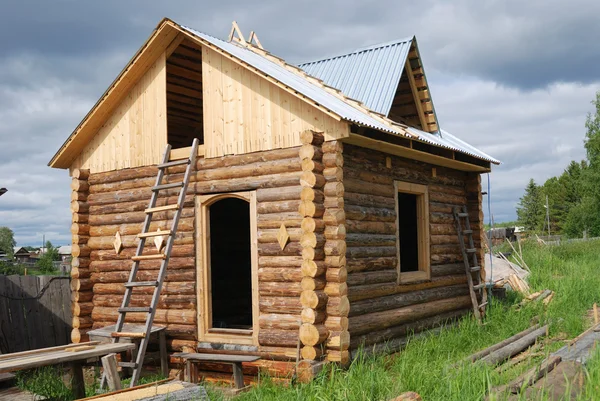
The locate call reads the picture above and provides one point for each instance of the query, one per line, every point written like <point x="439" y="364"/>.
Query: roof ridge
<point x="331" y="90"/>
<point x="361" y="50"/>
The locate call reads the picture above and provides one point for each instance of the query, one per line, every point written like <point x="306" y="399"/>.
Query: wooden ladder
<point x="476" y="287"/>
<point x="158" y="283"/>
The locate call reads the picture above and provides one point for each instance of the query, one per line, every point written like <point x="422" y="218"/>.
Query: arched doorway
<point x="227" y="267"/>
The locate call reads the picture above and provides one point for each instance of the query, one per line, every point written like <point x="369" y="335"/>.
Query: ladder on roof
<point x="476" y="285"/>
<point x="164" y="256"/>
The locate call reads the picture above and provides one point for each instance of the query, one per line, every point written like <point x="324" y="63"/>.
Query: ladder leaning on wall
<point x="164" y="256"/>
<point x="476" y="286"/>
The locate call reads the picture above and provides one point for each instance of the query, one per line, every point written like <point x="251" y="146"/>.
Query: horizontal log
<point x="185" y="224"/>
<point x="311" y="334"/>
<point x="310" y="224"/>
<point x="334" y="217"/>
<point x="279" y="321"/>
<point x="335" y="261"/>
<point x="364" y="187"/>
<point x="333" y="159"/>
<point x="332" y="147"/>
<point x="289" y="305"/>
<point x="79" y="217"/>
<point x="82" y="322"/>
<point x="403" y="330"/>
<point x="370" y="251"/>
<point x="175" y="263"/>
<point x="309" y="137"/>
<point x="369" y="200"/>
<point x="312" y="268"/>
<point x="338" y="306"/>
<point x="313" y="299"/>
<point x="370" y="227"/>
<point x="82" y="296"/>
<point x="127" y="253"/>
<point x="336" y="274"/>
<point x="447" y="270"/>
<point x="77" y="272"/>
<point x="280" y="274"/>
<point x="81" y="284"/>
<point x="282" y="206"/>
<point x="338" y="340"/>
<point x="358" y="293"/>
<point x="186" y="287"/>
<point x="372" y="277"/>
<point x="447" y="198"/>
<point x="82" y="308"/>
<point x="135" y="217"/>
<point x="311" y="195"/>
<point x="79" y="207"/>
<point x="278" y="194"/>
<point x="97" y="243"/>
<point x="271" y="234"/>
<point x="312" y="165"/>
<point x="79" y="196"/>
<point x="310" y="152"/>
<point x="143" y="275"/>
<point x="80" y="173"/>
<point x="273" y="249"/>
<point x="360" y="239"/>
<point x="311" y="353"/>
<point x="274" y="289"/>
<point x="336" y="323"/>
<point x="312" y="240"/>
<point x="375" y="263"/>
<point x="333" y="174"/>
<point x="405" y="299"/>
<point x="362" y="213"/>
<point x="336" y="289"/>
<point x="166" y="301"/>
<point x="178" y="316"/>
<point x="79" y="239"/>
<point x="80" y="250"/>
<point x="334" y="189"/>
<point x="334" y="203"/>
<point x="310" y="209"/>
<point x="310" y="253"/>
<point x="80" y="262"/>
<point x="280" y="261"/>
<point x="278" y="338"/>
<point x="335" y="247"/>
<point x="275" y="220"/>
<point x="394" y="317"/>
<point x="312" y="316"/>
<point x="312" y="180"/>
<point x="312" y="284"/>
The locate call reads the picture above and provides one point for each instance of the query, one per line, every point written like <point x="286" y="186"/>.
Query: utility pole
<point x="548" y="216"/>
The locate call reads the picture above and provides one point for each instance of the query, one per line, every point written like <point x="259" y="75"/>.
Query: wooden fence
<point x="35" y="312"/>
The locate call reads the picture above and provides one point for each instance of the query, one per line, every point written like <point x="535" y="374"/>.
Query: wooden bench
<point x="104" y="335"/>
<point x="234" y="360"/>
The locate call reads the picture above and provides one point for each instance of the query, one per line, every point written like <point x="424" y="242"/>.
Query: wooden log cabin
<point x="318" y="219"/>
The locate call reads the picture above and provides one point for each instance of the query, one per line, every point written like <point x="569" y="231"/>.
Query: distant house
<point x="21" y="255"/>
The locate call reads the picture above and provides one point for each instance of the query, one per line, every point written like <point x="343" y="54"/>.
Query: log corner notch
<point x="81" y="290"/>
<point x="312" y="332"/>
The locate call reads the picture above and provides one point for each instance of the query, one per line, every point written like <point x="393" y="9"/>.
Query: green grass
<point x="428" y="365"/>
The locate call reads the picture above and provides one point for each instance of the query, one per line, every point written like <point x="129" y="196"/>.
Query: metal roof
<point x="370" y="74"/>
<point x="300" y="84"/>
<point x="449" y="141"/>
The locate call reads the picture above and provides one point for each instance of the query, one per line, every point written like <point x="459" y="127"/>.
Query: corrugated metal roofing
<point x="337" y="105"/>
<point x="299" y="84"/>
<point x="449" y="141"/>
<point x="370" y="75"/>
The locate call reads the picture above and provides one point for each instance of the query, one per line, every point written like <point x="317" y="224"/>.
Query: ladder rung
<point x="141" y="284"/>
<point x="475" y="269"/>
<point x="154" y="233"/>
<point x="126" y="334"/>
<point x="467" y="231"/>
<point x="463" y="214"/>
<point x="174" y="163"/>
<point x="132" y="365"/>
<point x="471" y="250"/>
<point x="167" y="186"/>
<point x="478" y="286"/>
<point x="162" y="208"/>
<point x="148" y="257"/>
<point x="135" y="309"/>
<point x="483" y="304"/>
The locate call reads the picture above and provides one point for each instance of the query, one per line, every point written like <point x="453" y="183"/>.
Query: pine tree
<point x="530" y="210"/>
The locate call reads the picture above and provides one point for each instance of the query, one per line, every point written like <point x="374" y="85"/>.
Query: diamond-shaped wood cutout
<point x="282" y="236"/>
<point x="117" y="243"/>
<point x="159" y="241"/>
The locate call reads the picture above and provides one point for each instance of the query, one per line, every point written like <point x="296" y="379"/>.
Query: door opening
<point x="230" y="264"/>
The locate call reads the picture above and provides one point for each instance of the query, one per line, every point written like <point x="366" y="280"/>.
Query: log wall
<point x="115" y="201"/>
<point x="380" y="309"/>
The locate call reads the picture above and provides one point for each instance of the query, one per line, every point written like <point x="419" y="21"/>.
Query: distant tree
<point x="7" y="241"/>
<point x="530" y="210"/>
<point x="50" y="255"/>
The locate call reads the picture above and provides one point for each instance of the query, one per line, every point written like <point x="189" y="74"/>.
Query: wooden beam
<point x="174" y="45"/>
<point x="183" y="153"/>
<point x="415" y="92"/>
<point x="414" y="154"/>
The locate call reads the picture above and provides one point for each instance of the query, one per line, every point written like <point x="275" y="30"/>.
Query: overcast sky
<point x="513" y="78"/>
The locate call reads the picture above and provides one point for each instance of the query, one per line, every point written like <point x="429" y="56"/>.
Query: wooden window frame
<point x="203" y="283"/>
<point x="422" y="192"/>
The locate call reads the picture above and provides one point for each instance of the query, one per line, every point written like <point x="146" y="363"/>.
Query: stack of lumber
<point x="502" y="272"/>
